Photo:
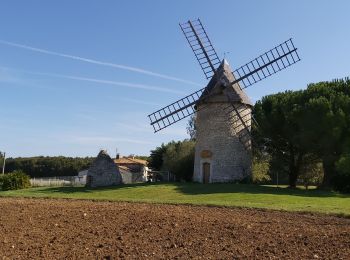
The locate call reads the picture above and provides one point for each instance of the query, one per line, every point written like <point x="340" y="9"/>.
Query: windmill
<point x="222" y="108"/>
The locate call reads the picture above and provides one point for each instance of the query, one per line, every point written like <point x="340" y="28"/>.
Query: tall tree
<point x="326" y="123"/>
<point x="279" y="134"/>
<point x="301" y="127"/>
<point x="155" y="160"/>
<point x="179" y="159"/>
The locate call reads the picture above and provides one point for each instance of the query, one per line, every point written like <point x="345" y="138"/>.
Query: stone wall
<point x="217" y="144"/>
<point x="132" y="177"/>
<point x="103" y="172"/>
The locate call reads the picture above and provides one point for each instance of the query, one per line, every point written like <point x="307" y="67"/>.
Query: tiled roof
<point x="128" y="160"/>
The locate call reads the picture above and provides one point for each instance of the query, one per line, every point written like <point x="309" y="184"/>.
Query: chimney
<point x="117" y="157"/>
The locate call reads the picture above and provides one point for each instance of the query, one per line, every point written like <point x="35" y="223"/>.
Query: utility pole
<point x="3" y="165"/>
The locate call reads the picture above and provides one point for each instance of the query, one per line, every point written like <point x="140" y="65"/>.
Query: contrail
<point x="100" y="81"/>
<point x="102" y="63"/>
<point x="116" y="83"/>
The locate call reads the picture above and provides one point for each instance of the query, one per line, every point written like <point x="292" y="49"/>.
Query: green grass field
<point x="238" y="195"/>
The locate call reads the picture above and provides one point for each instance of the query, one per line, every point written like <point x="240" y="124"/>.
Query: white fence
<point x="128" y="178"/>
<point x="58" y="181"/>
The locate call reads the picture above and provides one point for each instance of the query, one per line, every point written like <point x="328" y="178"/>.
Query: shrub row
<point x="14" y="181"/>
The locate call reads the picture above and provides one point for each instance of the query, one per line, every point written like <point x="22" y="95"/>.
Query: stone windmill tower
<point x="223" y="110"/>
<point x="220" y="156"/>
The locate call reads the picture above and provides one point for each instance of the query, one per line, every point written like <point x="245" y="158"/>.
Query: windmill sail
<point x="267" y="64"/>
<point x="241" y="121"/>
<point x="201" y="46"/>
<point x="174" y="112"/>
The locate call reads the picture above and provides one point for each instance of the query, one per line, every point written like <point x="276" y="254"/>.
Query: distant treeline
<point x="48" y="166"/>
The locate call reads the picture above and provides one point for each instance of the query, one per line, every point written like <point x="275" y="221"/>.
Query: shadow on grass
<point x="83" y="189"/>
<point x="196" y="189"/>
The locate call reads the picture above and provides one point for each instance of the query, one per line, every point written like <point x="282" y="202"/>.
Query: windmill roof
<point x="220" y="81"/>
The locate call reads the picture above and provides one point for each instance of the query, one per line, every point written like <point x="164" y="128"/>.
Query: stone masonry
<point x="103" y="172"/>
<point x="228" y="159"/>
<point x="216" y="140"/>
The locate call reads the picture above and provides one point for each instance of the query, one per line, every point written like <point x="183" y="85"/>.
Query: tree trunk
<point x="328" y="170"/>
<point x="293" y="179"/>
<point x="294" y="168"/>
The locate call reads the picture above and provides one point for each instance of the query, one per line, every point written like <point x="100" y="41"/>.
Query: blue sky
<point x="79" y="76"/>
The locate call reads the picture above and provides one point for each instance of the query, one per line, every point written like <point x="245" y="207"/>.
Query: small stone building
<point x="132" y="169"/>
<point x="103" y="172"/>
<point x="219" y="155"/>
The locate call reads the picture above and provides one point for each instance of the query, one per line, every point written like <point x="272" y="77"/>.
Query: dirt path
<point x="70" y="229"/>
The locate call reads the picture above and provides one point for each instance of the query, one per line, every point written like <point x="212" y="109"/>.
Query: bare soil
<point x="71" y="229"/>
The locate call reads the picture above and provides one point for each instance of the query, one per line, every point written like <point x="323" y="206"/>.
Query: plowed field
<point x="71" y="229"/>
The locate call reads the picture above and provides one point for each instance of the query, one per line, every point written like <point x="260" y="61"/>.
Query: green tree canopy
<point x="298" y="128"/>
<point x="155" y="160"/>
<point x="176" y="157"/>
<point x="48" y="166"/>
<point x="179" y="159"/>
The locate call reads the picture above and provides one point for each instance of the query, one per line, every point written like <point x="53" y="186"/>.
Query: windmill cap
<point x="224" y="61"/>
<point x="223" y="78"/>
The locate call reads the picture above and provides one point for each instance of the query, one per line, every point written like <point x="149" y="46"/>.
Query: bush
<point x="260" y="170"/>
<point x="341" y="181"/>
<point x="14" y="181"/>
<point x="311" y="174"/>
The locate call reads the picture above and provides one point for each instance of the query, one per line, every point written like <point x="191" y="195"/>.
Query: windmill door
<point x="206" y="172"/>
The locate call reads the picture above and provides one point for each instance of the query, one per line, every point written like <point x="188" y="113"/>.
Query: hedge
<point x="14" y="181"/>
